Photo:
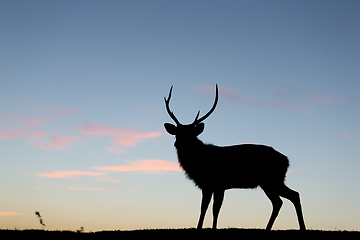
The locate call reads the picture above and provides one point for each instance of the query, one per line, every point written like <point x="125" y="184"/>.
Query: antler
<point x="167" y="101"/>
<point x="196" y="121"/>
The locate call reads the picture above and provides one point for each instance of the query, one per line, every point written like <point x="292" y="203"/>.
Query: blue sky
<point x="82" y="110"/>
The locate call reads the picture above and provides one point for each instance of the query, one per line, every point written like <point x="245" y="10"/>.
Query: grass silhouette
<point x="190" y="233"/>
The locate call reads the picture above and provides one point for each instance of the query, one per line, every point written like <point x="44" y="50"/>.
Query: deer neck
<point x="190" y="156"/>
<point x="188" y="149"/>
<point x="188" y="144"/>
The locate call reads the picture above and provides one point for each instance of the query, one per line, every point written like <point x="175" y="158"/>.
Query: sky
<point x="82" y="109"/>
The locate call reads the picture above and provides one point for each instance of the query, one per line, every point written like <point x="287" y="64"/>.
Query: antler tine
<point x="196" y="121"/>
<point x="197" y="116"/>
<point x="167" y="102"/>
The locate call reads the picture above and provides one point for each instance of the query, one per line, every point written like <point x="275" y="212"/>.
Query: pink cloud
<point x="61" y="142"/>
<point x="86" y="188"/>
<point x="319" y="99"/>
<point x="233" y="95"/>
<point x="38" y="144"/>
<point x="345" y="134"/>
<point x="11" y="213"/>
<point x="291" y="98"/>
<point x="121" y="137"/>
<point x="25" y="120"/>
<point x="30" y="121"/>
<point x="144" y="166"/>
<point x="56" y="142"/>
<point x="285" y="105"/>
<point x="107" y="179"/>
<point x="114" y="150"/>
<point x="104" y="130"/>
<point x="125" y="142"/>
<point x="285" y="95"/>
<point x="68" y="174"/>
<point x="10" y="133"/>
<point x="300" y="97"/>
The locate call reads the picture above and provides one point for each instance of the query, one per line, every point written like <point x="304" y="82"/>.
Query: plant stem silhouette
<point x="39" y="216"/>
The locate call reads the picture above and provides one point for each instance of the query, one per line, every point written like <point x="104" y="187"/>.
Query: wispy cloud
<point x="11" y="213"/>
<point x="100" y="129"/>
<point x="346" y="134"/>
<point x="303" y="100"/>
<point x="107" y="179"/>
<point x="56" y="142"/>
<point x="231" y="94"/>
<point x="287" y="102"/>
<point x="293" y="106"/>
<point x="30" y="121"/>
<point x="319" y="99"/>
<point x="36" y="137"/>
<point x="69" y="174"/>
<point x="147" y="166"/>
<point x="117" y="150"/>
<point x="10" y="133"/>
<point x="41" y="144"/>
<point x="82" y="188"/>
<point x="61" y="142"/>
<point x="121" y="137"/>
<point x="291" y="98"/>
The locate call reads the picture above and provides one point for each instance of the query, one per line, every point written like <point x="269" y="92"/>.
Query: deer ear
<point x="170" y="128"/>
<point x="199" y="128"/>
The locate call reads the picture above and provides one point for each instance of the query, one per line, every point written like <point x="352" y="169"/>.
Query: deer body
<point x="242" y="166"/>
<point x="215" y="169"/>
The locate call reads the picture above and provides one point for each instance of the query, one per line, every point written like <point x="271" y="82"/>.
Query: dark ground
<point x="185" y="234"/>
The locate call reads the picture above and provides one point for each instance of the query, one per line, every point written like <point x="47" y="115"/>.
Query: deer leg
<point x="276" y="203"/>
<point x="218" y="200"/>
<point x="294" y="197"/>
<point x="206" y="197"/>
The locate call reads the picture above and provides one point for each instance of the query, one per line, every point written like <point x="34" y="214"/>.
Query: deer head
<point x="190" y="130"/>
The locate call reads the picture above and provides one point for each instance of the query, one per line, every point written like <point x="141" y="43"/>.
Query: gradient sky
<point x="82" y="109"/>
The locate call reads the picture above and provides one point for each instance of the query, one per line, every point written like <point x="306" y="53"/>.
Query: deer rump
<point x="238" y="166"/>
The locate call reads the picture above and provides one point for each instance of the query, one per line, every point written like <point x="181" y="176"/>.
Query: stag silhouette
<point x="215" y="169"/>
